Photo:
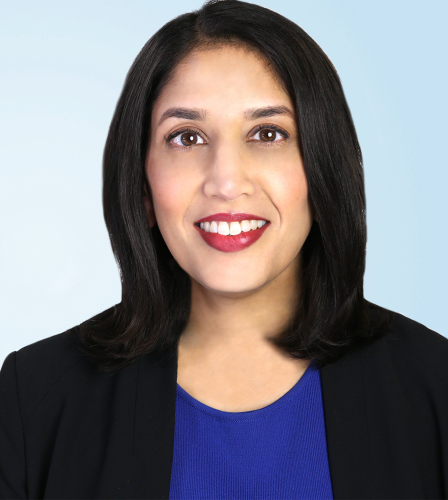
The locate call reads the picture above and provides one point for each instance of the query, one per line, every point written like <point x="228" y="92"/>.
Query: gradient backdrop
<point x="62" y="69"/>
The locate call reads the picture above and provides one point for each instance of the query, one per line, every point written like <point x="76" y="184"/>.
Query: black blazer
<point x="70" y="431"/>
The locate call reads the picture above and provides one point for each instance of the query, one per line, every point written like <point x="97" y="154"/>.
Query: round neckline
<point x="251" y="414"/>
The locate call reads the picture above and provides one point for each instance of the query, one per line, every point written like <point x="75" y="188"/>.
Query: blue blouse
<point x="276" y="452"/>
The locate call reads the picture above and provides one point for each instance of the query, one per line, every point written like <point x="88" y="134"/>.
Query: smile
<point x="234" y="228"/>
<point x="231" y="232"/>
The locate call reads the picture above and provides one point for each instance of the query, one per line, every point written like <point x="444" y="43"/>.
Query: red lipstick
<point x="231" y="243"/>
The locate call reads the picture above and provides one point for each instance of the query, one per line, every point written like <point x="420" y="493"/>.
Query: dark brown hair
<point x="332" y="315"/>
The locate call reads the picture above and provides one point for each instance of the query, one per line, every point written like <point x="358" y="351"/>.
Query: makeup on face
<point x="229" y="190"/>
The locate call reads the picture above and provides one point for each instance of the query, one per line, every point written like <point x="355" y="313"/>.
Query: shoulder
<point x="53" y="358"/>
<point x="424" y="343"/>
<point x="402" y="358"/>
<point x="401" y="371"/>
<point x="408" y="353"/>
<point x="386" y="402"/>
<point x="59" y="372"/>
<point x="51" y="354"/>
<point x="53" y="365"/>
<point x="411" y="341"/>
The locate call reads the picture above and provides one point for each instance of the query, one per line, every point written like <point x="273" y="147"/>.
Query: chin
<point x="230" y="284"/>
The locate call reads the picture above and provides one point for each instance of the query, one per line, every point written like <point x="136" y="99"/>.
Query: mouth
<point x="231" y="232"/>
<point x="231" y="224"/>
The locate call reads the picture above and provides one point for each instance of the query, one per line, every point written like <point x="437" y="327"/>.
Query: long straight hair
<point x="331" y="314"/>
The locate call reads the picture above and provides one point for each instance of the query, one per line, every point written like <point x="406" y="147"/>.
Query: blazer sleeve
<point x="12" y="444"/>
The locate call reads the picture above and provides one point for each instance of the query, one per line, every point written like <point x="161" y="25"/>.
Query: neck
<point x="241" y="321"/>
<point x="225" y="359"/>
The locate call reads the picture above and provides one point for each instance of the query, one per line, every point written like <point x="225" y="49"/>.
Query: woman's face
<point x="237" y="158"/>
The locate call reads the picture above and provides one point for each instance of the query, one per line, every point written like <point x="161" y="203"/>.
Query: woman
<point x="243" y="360"/>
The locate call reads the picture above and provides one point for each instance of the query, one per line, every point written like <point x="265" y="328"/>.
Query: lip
<point x="222" y="217"/>
<point x="231" y="243"/>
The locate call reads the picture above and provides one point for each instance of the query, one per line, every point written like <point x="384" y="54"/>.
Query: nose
<point x="228" y="174"/>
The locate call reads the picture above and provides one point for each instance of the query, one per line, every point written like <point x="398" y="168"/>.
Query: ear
<point x="149" y="207"/>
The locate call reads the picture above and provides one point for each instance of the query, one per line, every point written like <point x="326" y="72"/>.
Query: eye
<point x="185" y="138"/>
<point x="270" y="134"/>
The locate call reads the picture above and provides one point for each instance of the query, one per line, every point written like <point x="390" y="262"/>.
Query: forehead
<point x="224" y="78"/>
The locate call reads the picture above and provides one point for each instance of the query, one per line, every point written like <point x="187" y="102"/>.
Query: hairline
<point x="209" y="44"/>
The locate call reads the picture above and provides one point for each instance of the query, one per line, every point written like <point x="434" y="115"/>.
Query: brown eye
<point x="267" y="134"/>
<point x="270" y="135"/>
<point x="188" y="138"/>
<point x="185" y="138"/>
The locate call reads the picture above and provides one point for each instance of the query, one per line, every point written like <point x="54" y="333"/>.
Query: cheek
<point x="291" y="195"/>
<point x="296" y="186"/>
<point x="289" y="188"/>
<point x="170" y="192"/>
<point x="300" y="201"/>
<point x="296" y="215"/>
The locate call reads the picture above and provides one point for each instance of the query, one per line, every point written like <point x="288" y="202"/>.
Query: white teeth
<point x="223" y="228"/>
<point x="233" y="228"/>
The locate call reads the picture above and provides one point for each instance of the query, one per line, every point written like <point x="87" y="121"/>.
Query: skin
<point x="238" y="298"/>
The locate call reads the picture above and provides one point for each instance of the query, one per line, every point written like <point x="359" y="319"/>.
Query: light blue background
<point x="62" y="69"/>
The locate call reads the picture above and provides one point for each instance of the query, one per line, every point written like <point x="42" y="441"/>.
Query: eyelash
<point x="257" y="129"/>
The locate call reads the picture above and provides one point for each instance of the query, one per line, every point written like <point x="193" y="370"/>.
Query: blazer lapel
<point x="346" y="427"/>
<point x="154" y="425"/>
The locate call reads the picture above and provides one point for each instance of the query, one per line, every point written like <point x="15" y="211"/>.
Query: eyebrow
<point x="201" y="114"/>
<point x="186" y="113"/>
<point x="254" y="113"/>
